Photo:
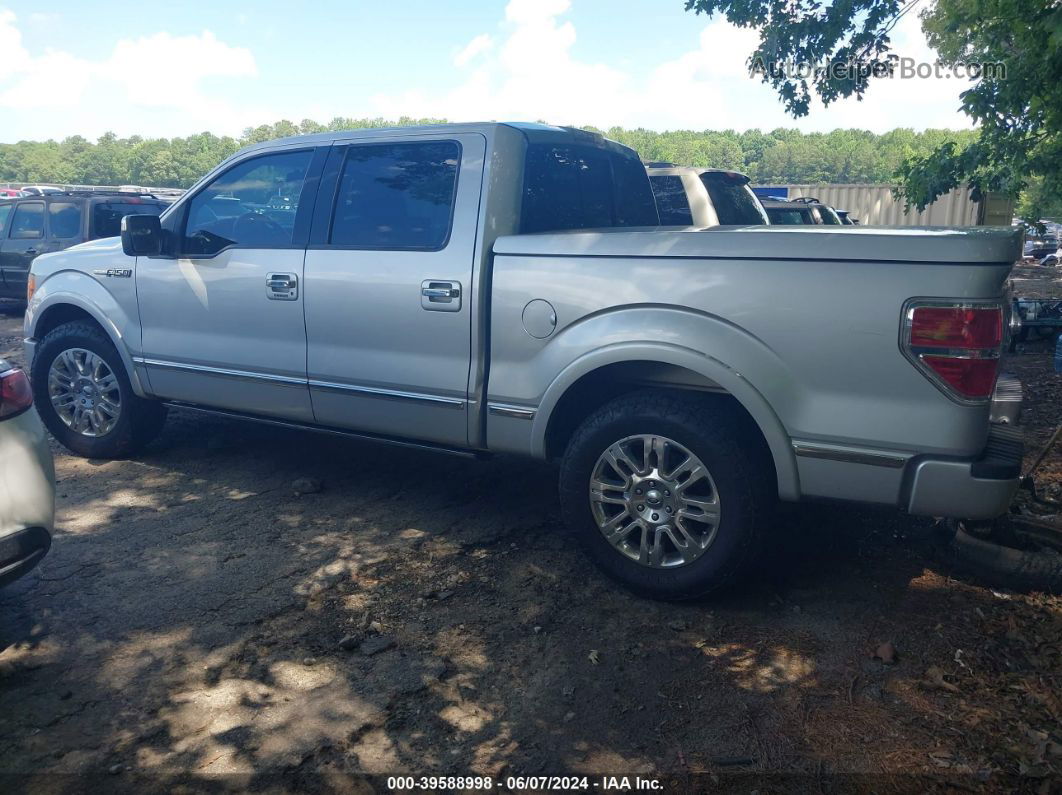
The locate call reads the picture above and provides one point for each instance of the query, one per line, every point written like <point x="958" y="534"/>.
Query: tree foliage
<point x="778" y="156"/>
<point x="1018" y="108"/>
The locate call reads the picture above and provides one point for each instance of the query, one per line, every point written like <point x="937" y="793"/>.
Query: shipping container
<point x="874" y="205"/>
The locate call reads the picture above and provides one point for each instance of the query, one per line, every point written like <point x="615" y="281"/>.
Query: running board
<point x="299" y="426"/>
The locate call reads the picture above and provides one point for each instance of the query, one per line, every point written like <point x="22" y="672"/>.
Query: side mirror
<point x="141" y="235"/>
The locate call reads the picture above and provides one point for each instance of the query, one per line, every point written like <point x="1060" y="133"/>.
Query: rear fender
<point x="736" y="361"/>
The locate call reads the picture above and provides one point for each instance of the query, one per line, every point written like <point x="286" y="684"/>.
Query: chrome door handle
<point x="441" y="292"/>
<point x="282" y="286"/>
<point x="30" y="251"/>
<point x="439" y="295"/>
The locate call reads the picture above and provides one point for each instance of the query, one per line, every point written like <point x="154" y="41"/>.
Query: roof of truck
<point x="662" y="168"/>
<point x="529" y="129"/>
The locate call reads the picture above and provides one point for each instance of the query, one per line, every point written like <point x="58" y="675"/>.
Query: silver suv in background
<point x="687" y="196"/>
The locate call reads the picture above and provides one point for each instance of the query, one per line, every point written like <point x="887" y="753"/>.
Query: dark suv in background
<point x="41" y="224"/>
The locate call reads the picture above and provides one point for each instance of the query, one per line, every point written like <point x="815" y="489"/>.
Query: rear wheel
<point x="83" y="394"/>
<point x="668" y="492"/>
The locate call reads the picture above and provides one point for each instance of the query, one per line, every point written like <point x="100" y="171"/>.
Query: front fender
<point x="539" y="372"/>
<point x="115" y="313"/>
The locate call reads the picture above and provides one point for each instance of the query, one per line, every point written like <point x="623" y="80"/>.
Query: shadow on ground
<point x="199" y="623"/>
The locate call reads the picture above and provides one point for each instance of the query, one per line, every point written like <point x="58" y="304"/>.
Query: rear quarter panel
<point x="812" y="344"/>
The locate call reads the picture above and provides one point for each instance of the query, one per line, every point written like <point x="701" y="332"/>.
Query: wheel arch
<point x="51" y="308"/>
<point x="602" y="374"/>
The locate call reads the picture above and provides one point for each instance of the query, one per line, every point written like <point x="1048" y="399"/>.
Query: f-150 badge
<point x="120" y="273"/>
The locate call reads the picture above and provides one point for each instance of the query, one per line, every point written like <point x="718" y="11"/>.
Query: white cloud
<point x="532" y="73"/>
<point x="532" y="70"/>
<point x="109" y="93"/>
<point x="479" y="45"/>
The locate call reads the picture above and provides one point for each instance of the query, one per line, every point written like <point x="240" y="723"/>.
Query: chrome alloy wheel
<point x="84" y="392"/>
<point x="654" y="501"/>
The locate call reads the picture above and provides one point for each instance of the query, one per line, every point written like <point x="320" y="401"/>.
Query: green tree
<point x="1017" y="104"/>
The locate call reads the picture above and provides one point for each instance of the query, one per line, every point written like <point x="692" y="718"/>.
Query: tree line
<point x="779" y="156"/>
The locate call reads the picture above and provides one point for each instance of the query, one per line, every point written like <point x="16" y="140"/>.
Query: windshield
<point x="733" y="199"/>
<point x="107" y="216"/>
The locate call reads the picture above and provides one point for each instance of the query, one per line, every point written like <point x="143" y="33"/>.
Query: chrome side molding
<point x="874" y="458"/>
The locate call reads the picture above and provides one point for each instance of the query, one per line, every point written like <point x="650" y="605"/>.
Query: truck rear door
<point x="388" y="283"/>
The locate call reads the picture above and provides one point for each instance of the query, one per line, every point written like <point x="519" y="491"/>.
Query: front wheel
<point x="668" y="492"/>
<point x="84" y="397"/>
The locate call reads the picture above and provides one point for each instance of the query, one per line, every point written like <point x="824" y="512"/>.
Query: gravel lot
<point x="199" y="623"/>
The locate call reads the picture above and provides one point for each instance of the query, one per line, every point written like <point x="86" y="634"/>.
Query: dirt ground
<point x="200" y="626"/>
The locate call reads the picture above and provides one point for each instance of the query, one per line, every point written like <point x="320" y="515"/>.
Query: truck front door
<point x="388" y="286"/>
<point x="223" y="321"/>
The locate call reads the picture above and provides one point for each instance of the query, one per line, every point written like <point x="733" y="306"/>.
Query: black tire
<point x="999" y="565"/>
<point x="725" y="439"/>
<point x="139" y="421"/>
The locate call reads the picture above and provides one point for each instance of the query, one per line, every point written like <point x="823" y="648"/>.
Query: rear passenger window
<point x="396" y="196"/>
<point x="568" y="186"/>
<point x="64" y="220"/>
<point x="672" y="201"/>
<point x="28" y="221"/>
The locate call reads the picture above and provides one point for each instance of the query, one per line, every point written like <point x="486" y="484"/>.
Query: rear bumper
<point x="980" y="487"/>
<point x="21" y="551"/>
<point x="963" y="489"/>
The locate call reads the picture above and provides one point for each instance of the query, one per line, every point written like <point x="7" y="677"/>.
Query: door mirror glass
<point x="141" y="235"/>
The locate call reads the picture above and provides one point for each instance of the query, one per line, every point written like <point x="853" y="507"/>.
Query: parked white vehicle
<point x="41" y="190"/>
<point x="27" y="479"/>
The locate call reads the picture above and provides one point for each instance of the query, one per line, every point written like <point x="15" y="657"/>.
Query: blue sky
<point x="182" y="67"/>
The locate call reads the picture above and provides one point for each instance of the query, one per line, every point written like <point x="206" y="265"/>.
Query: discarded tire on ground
<point x="1033" y="567"/>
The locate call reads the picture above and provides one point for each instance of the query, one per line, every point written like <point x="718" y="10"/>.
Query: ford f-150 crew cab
<point x="504" y="288"/>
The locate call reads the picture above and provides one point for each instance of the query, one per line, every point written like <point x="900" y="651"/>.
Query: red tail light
<point x="956" y="344"/>
<point x="15" y="393"/>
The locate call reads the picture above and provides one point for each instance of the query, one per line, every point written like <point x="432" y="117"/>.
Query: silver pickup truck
<point x="504" y="288"/>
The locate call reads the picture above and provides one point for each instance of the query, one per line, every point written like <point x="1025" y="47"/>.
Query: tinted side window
<point x="567" y="186"/>
<point x="787" y="217"/>
<point x="733" y="199"/>
<point x="5" y="214"/>
<point x="253" y="205"/>
<point x="64" y="220"/>
<point x="107" y="216"/>
<point x="672" y="201"/>
<point x="396" y="196"/>
<point x="28" y="221"/>
<point x="635" y="205"/>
